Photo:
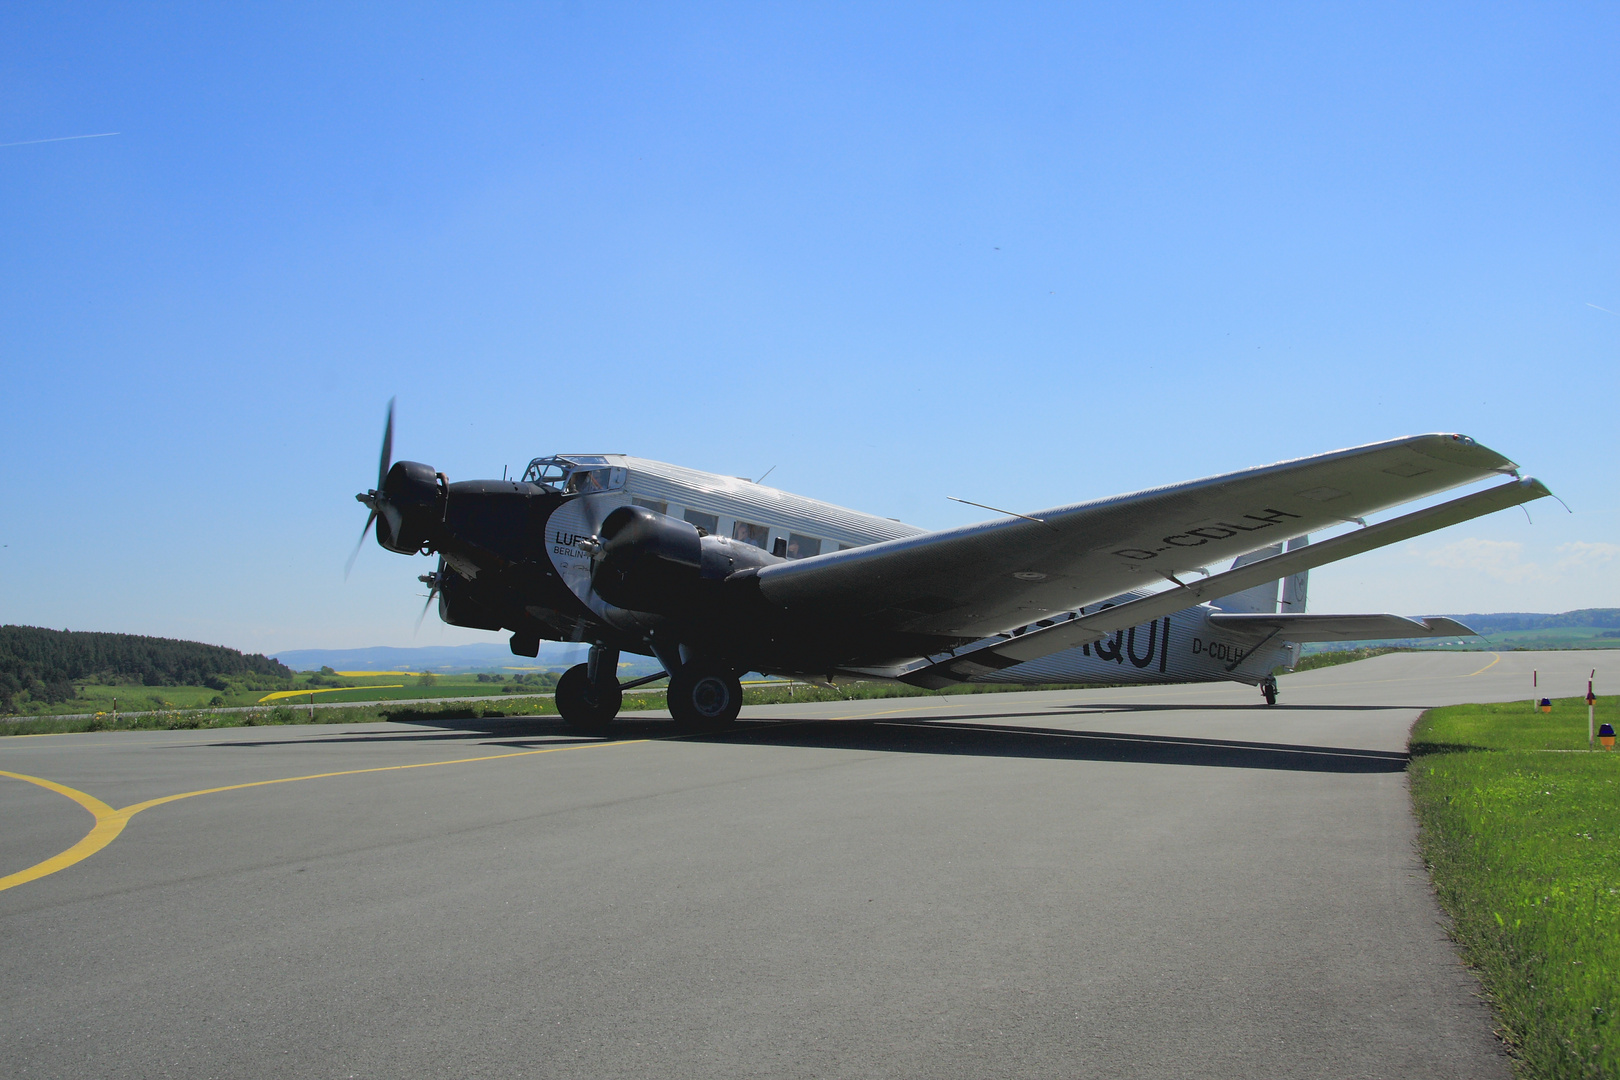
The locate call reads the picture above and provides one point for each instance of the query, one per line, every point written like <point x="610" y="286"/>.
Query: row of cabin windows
<point x="791" y="546"/>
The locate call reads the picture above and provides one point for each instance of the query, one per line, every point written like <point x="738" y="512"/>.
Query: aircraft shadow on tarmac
<point x="919" y="735"/>
<point x="1017" y="741"/>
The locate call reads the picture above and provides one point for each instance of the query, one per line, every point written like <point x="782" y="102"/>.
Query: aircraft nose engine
<point x="410" y="499"/>
<point x="409" y="506"/>
<point x="647" y="561"/>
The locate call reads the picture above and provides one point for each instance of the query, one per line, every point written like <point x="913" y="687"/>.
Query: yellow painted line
<point x="111" y="822"/>
<point x="890" y="712"/>
<point x="378" y="674"/>
<point x="1494" y="658"/>
<point x="279" y="694"/>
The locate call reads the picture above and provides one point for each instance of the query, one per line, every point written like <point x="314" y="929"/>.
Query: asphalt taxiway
<point x="1147" y="882"/>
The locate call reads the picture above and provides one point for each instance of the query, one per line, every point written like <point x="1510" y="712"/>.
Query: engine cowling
<point x="458" y="607"/>
<point x="409" y="507"/>
<point x="647" y="562"/>
<point x="655" y="563"/>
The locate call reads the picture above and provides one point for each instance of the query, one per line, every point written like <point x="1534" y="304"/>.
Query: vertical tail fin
<point x="1261" y="599"/>
<point x="1295" y="586"/>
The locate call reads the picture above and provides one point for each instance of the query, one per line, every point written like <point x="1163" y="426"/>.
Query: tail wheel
<point x="585" y="708"/>
<point x="704" y="696"/>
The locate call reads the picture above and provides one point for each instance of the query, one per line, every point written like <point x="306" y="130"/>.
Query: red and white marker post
<point x="1591" y="713"/>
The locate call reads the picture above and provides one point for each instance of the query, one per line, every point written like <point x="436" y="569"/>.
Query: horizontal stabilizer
<point x="1339" y="627"/>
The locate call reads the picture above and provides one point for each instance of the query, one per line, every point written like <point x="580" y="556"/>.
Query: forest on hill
<point x="1507" y="622"/>
<point x="43" y="665"/>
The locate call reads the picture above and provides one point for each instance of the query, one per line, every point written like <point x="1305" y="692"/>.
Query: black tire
<point x="1270" y="690"/>
<point x="587" y="709"/>
<point x="703" y="697"/>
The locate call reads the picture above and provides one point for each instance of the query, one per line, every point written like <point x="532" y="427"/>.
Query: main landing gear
<point x="1268" y="687"/>
<point x="588" y="695"/>
<point x="702" y="696"/>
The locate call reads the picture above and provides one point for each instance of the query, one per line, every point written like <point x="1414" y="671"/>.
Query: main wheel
<point x="704" y="696"/>
<point x="1269" y="689"/>
<point x="585" y="708"/>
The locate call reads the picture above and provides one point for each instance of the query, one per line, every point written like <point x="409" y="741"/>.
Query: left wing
<point x="1078" y="628"/>
<point x="1339" y="627"/>
<point x="979" y="580"/>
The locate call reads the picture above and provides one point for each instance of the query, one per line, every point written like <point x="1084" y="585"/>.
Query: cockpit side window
<point x="590" y="481"/>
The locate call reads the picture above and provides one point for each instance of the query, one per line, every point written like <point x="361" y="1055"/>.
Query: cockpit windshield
<point x="576" y="474"/>
<point x="549" y="473"/>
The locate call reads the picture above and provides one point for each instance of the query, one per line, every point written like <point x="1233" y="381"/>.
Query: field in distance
<point x="330" y="688"/>
<point x="1588" y="628"/>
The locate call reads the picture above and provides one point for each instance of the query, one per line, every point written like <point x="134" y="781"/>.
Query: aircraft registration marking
<point x="1221" y="530"/>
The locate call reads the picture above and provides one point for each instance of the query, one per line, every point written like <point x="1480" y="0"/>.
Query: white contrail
<point x="1590" y="304"/>
<point x="62" y="138"/>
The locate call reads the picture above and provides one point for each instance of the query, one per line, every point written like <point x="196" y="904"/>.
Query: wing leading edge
<point x="980" y="580"/>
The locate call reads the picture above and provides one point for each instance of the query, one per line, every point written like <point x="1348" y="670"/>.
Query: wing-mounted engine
<point x="651" y="562"/>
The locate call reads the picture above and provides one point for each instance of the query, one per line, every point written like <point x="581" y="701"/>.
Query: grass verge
<point x="1520" y="829"/>
<point x="1343" y="656"/>
<point x="649" y="700"/>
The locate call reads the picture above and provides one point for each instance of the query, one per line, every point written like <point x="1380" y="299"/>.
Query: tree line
<point x="1503" y="622"/>
<point x="44" y="664"/>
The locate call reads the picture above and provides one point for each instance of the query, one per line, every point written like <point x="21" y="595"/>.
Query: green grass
<point x="1564" y="637"/>
<point x="134" y="697"/>
<point x="1342" y="656"/>
<point x="296" y="711"/>
<point x="1521" y="832"/>
<point x="281" y="713"/>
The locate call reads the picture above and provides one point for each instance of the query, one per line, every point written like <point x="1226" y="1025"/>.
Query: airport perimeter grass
<point x="1521" y="833"/>
<point x="296" y="712"/>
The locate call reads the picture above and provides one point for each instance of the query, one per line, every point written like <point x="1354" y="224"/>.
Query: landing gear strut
<point x="704" y="696"/>
<point x="1268" y="687"/>
<point x="588" y="695"/>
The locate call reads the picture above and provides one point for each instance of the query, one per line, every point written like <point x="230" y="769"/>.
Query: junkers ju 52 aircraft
<point x="715" y="576"/>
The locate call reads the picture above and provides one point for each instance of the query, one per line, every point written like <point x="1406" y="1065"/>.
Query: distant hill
<point x="44" y="664"/>
<point x="1508" y="622"/>
<point x="490" y="656"/>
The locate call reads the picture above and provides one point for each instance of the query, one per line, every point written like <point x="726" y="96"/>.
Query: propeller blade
<point x="387" y="447"/>
<point x="349" y="566"/>
<point x="419" y="619"/>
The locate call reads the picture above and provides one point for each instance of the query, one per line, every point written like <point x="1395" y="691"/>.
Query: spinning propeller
<point x="373" y="497"/>
<point x="434" y="582"/>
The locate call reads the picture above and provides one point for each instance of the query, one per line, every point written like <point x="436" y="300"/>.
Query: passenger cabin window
<point x="652" y="504"/>
<point x="706" y="523"/>
<point x="802" y="547"/>
<point x="758" y="535"/>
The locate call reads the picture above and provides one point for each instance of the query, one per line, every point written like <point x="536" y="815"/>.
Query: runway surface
<point x="1157" y="882"/>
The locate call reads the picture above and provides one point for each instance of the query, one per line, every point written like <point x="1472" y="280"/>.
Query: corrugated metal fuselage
<point x="516" y="556"/>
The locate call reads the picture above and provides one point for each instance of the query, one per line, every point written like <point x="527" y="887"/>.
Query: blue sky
<point x="1024" y="254"/>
